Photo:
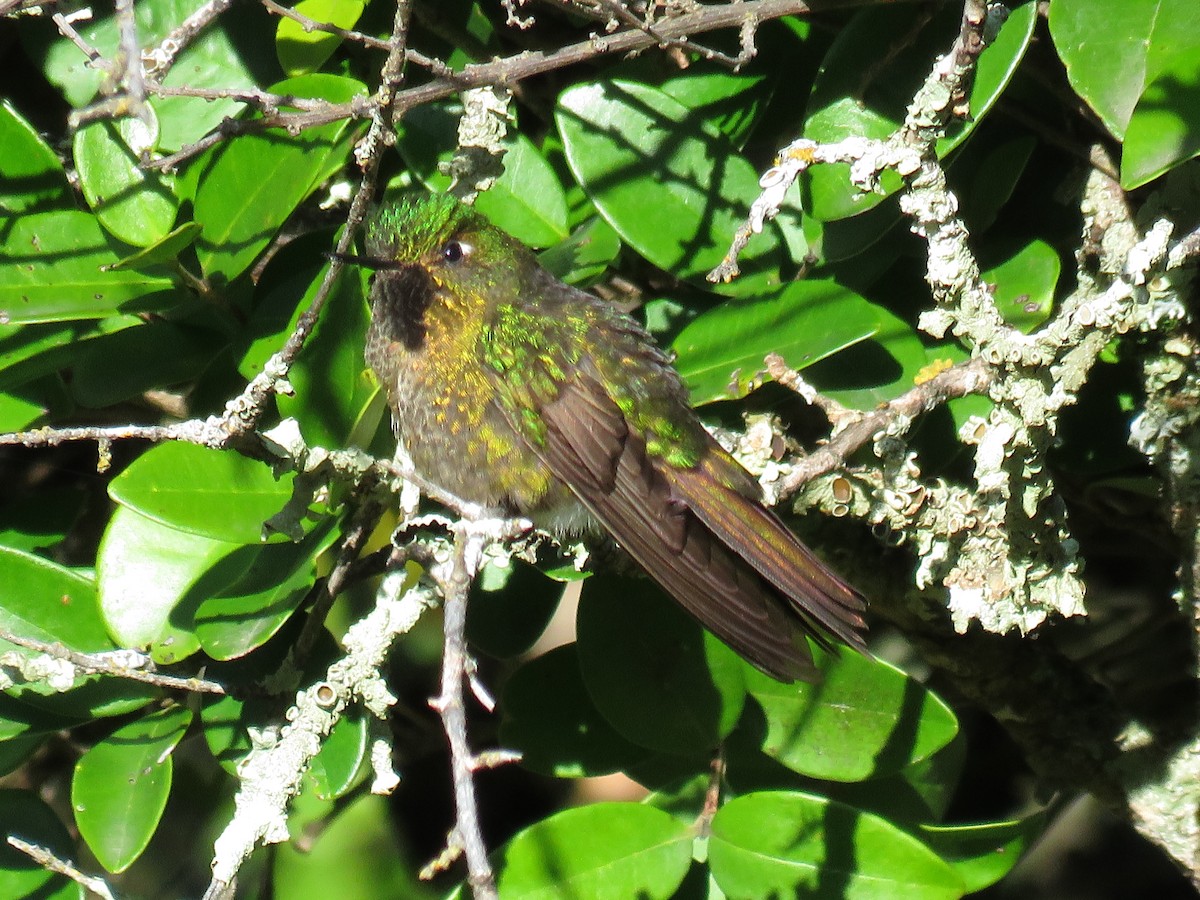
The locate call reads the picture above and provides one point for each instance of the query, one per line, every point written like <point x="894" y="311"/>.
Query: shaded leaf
<point x="121" y="784"/>
<point x="789" y="844"/>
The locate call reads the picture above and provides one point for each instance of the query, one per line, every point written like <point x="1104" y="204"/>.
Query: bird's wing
<point x="821" y="599"/>
<point x="589" y="445"/>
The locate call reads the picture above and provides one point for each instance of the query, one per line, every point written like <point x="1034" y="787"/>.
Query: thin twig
<point x="366" y="517"/>
<point x="967" y="378"/>
<point x="449" y="705"/>
<point x="516" y="68"/>
<point x="45" y="858"/>
<point x="157" y="61"/>
<point x="127" y="664"/>
<point x="313" y="25"/>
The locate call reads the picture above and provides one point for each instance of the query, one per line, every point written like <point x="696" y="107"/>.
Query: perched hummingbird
<point x="516" y="391"/>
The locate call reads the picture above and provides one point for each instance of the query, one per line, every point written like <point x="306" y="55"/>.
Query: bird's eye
<point x="456" y="251"/>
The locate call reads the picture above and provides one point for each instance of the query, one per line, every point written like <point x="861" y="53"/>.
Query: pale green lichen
<point x="479" y="160"/>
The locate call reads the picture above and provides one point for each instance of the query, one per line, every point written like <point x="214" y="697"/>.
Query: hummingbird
<point x="513" y="390"/>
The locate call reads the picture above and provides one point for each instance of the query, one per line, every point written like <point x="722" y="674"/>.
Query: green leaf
<point x="607" y="850"/>
<point x="983" y="854"/>
<point x="14" y="753"/>
<point x="847" y="102"/>
<point x="670" y="184"/>
<point x="121" y="785"/>
<point x="1165" y="128"/>
<point x="164" y="251"/>
<point x="143" y="570"/>
<point x="50" y="603"/>
<point x="135" y="205"/>
<point x="984" y="177"/>
<point x="30" y="174"/>
<point x="527" y="201"/>
<point x="920" y="792"/>
<point x="720" y="353"/>
<point x="210" y="60"/>
<point x="244" y="600"/>
<point x="510" y="607"/>
<point x="300" y="51"/>
<point x="730" y="101"/>
<point x="550" y="719"/>
<point x="634" y="642"/>
<point x="255" y="181"/>
<point x="54" y="268"/>
<point x="1025" y="284"/>
<point x="339" y="765"/>
<point x="40" y="519"/>
<point x="863" y="720"/>
<point x="27" y="352"/>
<point x="585" y="254"/>
<point x="29" y="818"/>
<point x="333" y="391"/>
<point x="1112" y="54"/>
<point x="17" y="413"/>
<point x="115" y="367"/>
<point x="789" y="844"/>
<point x="212" y="493"/>
<point x="362" y="839"/>
<point x="876" y="370"/>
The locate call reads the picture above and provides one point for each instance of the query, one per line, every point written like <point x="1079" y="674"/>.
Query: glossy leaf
<point x="143" y="570"/>
<point x="339" y="765"/>
<point x="245" y="599"/>
<point x="48" y="602"/>
<point x="31" y="175"/>
<point x="135" y="205"/>
<point x="333" y="389"/>
<point x="550" y="719"/>
<point x="37" y="521"/>
<point x="730" y="101"/>
<point x="163" y="251"/>
<point x="1113" y="54"/>
<point x="28" y="352"/>
<point x="1165" y="128"/>
<point x="1025" y="284"/>
<point x="54" y="268"/>
<point x="527" y="200"/>
<point x="121" y="785"/>
<point x="17" y="413"/>
<point x="303" y="51"/>
<point x="920" y="792"/>
<point x="256" y="180"/>
<point x="25" y="815"/>
<point x="510" y="607"/>
<point x="863" y="720"/>
<point x="219" y="495"/>
<point x="720" y="353"/>
<point x="585" y="254"/>
<point x="789" y="844"/>
<point x="983" y="854"/>
<point x="984" y="178"/>
<point x="210" y="60"/>
<point x="363" y="839"/>
<point x="607" y="850"/>
<point x="876" y="370"/>
<point x="115" y="367"/>
<point x="845" y="103"/>
<point x="671" y="186"/>
<point x="634" y="642"/>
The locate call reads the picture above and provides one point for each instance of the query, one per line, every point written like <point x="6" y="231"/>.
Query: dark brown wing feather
<point x="819" y="597"/>
<point x="678" y="532"/>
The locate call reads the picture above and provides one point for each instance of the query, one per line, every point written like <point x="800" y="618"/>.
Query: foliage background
<point x="129" y="294"/>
